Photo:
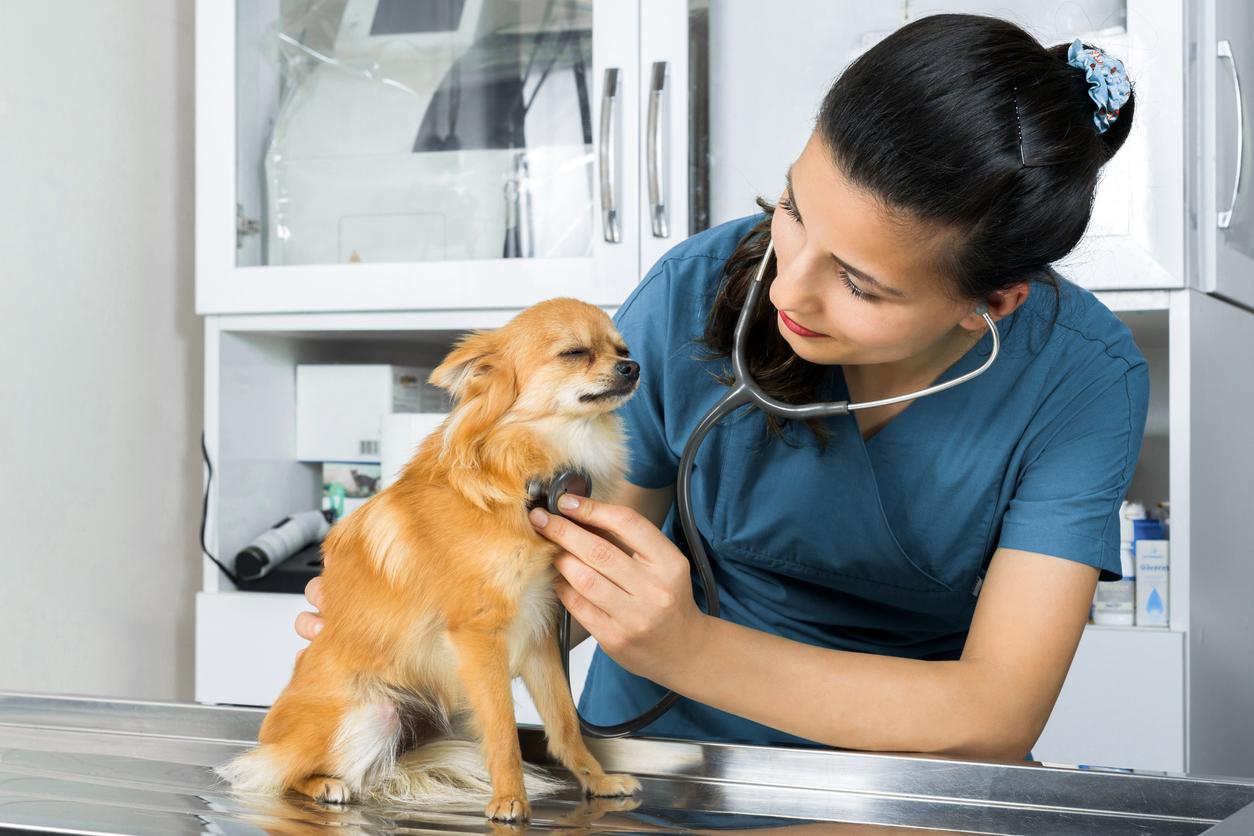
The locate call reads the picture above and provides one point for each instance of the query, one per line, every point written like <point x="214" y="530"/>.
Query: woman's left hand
<point x="638" y="605"/>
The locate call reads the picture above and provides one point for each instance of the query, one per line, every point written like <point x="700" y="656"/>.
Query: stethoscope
<point x="744" y="391"/>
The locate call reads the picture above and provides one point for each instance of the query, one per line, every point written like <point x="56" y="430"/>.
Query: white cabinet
<point x="712" y="101"/>
<point x="245" y="641"/>
<point x="1178" y="699"/>
<point x="388" y="155"/>
<point x="1220" y="441"/>
<point x="1202" y="430"/>
<point x="1223" y="85"/>
<point x="757" y="72"/>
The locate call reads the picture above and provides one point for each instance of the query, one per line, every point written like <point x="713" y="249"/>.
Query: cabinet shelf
<point x="1123" y="628"/>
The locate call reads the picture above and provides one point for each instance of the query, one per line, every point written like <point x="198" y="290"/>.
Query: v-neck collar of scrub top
<point x="836" y="387"/>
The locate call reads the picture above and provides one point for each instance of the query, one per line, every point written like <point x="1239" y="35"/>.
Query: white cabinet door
<point x="246" y="645"/>
<point x="1227" y="102"/>
<point x="390" y="155"/>
<point x="757" y="72"/>
<point x="1122" y="705"/>
<point x="1220" y="556"/>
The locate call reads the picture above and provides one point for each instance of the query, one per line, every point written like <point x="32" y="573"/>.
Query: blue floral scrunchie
<point x="1108" y="82"/>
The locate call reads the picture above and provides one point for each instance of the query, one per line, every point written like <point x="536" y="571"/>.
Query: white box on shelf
<point x="402" y="433"/>
<point x="1152" y="575"/>
<point x="340" y="408"/>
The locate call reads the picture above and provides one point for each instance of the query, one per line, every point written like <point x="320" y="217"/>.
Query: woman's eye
<point x="574" y="352"/>
<point x="786" y="202"/>
<point x="858" y="292"/>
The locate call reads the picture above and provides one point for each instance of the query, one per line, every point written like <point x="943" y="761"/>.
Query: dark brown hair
<point x="948" y="99"/>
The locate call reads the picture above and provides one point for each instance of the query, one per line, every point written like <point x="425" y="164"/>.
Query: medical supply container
<point x="1152" y="565"/>
<point x="1114" y="602"/>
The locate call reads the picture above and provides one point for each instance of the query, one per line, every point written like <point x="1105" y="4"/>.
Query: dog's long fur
<point x="437" y="591"/>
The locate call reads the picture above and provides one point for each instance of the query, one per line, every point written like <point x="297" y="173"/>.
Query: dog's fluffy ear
<point x="484" y="387"/>
<point x="471" y="357"/>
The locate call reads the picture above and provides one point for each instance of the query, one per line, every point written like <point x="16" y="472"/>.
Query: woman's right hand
<point x="653" y="503"/>
<point x="309" y="623"/>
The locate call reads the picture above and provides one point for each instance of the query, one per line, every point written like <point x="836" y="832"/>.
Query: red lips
<point x="798" y="329"/>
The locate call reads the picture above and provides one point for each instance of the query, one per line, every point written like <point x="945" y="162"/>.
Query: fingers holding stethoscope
<point x="591" y="564"/>
<point x="633" y="604"/>
<point x="629" y="526"/>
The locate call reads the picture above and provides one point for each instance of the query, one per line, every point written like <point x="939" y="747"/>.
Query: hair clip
<point x="1023" y="160"/>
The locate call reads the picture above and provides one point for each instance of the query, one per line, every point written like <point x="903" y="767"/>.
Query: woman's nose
<point x="794" y="287"/>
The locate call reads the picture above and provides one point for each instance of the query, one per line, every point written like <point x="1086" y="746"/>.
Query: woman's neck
<point x="873" y="382"/>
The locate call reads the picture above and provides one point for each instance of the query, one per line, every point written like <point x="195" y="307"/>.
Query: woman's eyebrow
<point x="871" y="280"/>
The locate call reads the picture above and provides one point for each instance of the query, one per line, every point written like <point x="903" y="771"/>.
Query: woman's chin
<point x="821" y="350"/>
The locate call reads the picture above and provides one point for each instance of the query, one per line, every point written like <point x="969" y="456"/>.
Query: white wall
<point x="100" y="348"/>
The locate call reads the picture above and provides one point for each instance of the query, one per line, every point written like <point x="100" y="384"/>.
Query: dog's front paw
<point x="508" y="808"/>
<point x="611" y="785"/>
<point x="325" y="789"/>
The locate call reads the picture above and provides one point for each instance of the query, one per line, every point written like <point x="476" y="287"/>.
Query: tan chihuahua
<point x="438" y="591"/>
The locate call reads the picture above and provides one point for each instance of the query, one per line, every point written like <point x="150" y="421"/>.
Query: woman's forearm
<point x="850" y="700"/>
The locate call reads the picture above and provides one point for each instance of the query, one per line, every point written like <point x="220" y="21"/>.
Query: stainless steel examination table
<point x="79" y="765"/>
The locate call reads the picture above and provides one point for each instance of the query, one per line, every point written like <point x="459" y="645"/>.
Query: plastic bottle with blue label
<point x="1114" y="602"/>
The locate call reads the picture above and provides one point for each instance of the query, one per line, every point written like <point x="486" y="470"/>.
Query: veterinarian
<point x="950" y="165"/>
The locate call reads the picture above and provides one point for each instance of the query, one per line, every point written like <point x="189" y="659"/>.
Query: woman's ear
<point x="471" y="357"/>
<point x="1000" y="304"/>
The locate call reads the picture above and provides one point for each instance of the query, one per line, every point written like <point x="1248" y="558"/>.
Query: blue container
<point x="1147" y="530"/>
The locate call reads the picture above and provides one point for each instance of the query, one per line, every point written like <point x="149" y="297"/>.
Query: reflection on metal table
<point x="82" y="765"/>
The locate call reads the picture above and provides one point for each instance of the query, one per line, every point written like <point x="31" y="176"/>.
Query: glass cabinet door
<point x="472" y="143"/>
<point x="389" y="130"/>
<point x="757" y="72"/>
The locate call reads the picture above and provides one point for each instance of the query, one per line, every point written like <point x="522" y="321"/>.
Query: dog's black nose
<point x="629" y="369"/>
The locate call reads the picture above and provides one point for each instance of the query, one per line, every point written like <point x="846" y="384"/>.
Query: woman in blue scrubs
<point x="950" y="165"/>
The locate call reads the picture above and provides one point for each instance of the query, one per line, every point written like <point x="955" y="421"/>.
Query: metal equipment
<point x="81" y="765"/>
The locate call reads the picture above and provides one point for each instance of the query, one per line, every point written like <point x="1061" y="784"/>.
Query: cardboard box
<point x="402" y="433"/>
<point x="340" y="408"/>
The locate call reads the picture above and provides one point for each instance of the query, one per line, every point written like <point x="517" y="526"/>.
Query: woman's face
<point x="847" y="272"/>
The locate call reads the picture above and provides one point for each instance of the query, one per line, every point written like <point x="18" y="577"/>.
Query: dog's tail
<point x="449" y="773"/>
<point x="256" y="771"/>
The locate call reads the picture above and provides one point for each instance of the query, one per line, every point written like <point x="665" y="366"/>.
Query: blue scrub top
<point x="875" y="546"/>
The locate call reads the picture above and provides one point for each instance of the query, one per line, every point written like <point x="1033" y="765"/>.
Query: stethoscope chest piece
<point x="567" y="480"/>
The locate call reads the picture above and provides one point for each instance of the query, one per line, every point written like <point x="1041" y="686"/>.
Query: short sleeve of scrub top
<point x="875" y="545"/>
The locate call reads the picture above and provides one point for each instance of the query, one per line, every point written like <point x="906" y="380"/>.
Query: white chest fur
<point x="595" y="446"/>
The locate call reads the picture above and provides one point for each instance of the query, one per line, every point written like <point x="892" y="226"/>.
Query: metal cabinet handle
<point x="1224" y="50"/>
<point x="609" y="209"/>
<point x="657" y="206"/>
